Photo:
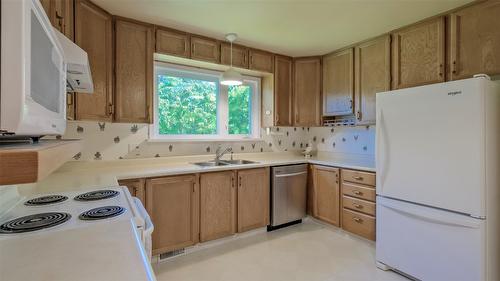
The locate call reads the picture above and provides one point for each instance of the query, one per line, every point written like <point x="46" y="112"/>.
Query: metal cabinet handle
<point x="454" y="67"/>
<point x="357" y="192"/>
<point x="239" y="181"/>
<point x="135" y="190"/>
<point x="358" y="178"/>
<point x="358" y="220"/>
<point x="358" y="115"/>
<point x="357" y="206"/>
<point x="441" y="70"/>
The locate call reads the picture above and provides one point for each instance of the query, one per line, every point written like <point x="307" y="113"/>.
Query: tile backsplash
<point x="111" y="141"/>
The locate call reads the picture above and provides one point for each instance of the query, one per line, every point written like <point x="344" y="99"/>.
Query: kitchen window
<point x="190" y="103"/>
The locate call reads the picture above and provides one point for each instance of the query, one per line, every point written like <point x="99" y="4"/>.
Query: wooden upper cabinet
<point x="372" y="75"/>
<point x="253" y="198"/>
<point x="307" y="91"/>
<point x="261" y="61"/>
<point x="172" y="42"/>
<point x="61" y="15"/>
<point x="136" y="187"/>
<point x="217" y="205"/>
<point x="475" y="40"/>
<point x="338" y="83"/>
<point x="326" y="202"/>
<point x="205" y="49"/>
<point x="173" y="204"/>
<point x="240" y="55"/>
<point x="418" y="54"/>
<point x="283" y="86"/>
<point x="133" y="71"/>
<point x="94" y="34"/>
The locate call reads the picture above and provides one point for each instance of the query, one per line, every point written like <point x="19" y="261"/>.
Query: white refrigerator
<point x="438" y="193"/>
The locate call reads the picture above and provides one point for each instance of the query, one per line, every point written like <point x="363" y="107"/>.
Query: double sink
<point x="224" y="163"/>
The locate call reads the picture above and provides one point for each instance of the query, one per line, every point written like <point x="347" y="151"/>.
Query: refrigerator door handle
<point x="428" y="214"/>
<point x="382" y="151"/>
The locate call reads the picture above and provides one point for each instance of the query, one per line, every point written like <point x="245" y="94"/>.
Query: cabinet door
<point x="94" y="34"/>
<point x="218" y="205"/>
<point x="240" y="55"/>
<point x="136" y="187"/>
<point x="338" y="83"/>
<point x="253" y="198"/>
<point x="283" y="91"/>
<point x="172" y="42"/>
<point x="133" y="71"/>
<point x="307" y="91"/>
<point x="205" y="49"/>
<point x="372" y="75"/>
<point x="418" y="54"/>
<point x="261" y="61"/>
<point x="327" y="194"/>
<point x="60" y="14"/>
<point x="475" y="40"/>
<point x="172" y="203"/>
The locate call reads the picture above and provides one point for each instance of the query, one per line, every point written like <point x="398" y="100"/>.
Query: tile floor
<point x="309" y="251"/>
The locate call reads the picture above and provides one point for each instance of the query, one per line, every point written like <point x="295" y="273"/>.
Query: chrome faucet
<point x="219" y="153"/>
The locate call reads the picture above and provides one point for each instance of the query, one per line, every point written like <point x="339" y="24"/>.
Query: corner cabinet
<point x="307" y="91"/>
<point x="283" y="86"/>
<point x="94" y="34"/>
<point x="338" y="83"/>
<point x="134" y="45"/>
<point x="253" y="198"/>
<point x="372" y="75"/>
<point x="418" y="54"/>
<point x="173" y="204"/>
<point x="217" y="205"/>
<point x="475" y="40"/>
<point x="326" y="194"/>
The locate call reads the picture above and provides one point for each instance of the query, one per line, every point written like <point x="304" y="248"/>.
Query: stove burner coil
<point x="34" y="222"/>
<point x="46" y="200"/>
<point x="97" y="195"/>
<point x="102" y="213"/>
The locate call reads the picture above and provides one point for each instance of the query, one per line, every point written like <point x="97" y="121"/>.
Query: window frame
<point x="222" y="131"/>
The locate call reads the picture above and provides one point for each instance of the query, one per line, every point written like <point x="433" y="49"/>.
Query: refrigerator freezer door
<point x="430" y="244"/>
<point x="430" y="146"/>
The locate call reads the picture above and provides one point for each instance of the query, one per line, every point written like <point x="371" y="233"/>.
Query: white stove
<point x="46" y="213"/>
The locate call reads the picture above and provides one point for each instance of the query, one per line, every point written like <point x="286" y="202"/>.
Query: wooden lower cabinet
<point x="173" y="204"/>
<point x="217" y="205"/>
<point x="253" y="198"/>
<point x="326" y="194"/>
<point x="136" y="187"/>
<point x="358" y="203"/>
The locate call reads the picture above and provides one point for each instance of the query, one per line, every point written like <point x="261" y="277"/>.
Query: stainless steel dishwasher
<point x="289" y="195"/>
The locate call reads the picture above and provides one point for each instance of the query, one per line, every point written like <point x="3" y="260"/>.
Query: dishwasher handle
<point x="290" y="175"/>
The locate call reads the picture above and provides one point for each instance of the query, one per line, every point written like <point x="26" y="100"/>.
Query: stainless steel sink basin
<point x="224" y="163"/>
<point x="211" y="164"/>
<point x="239" y="162"/>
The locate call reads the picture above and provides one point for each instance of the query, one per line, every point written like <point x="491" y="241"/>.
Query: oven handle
<point x="148" y="224"/>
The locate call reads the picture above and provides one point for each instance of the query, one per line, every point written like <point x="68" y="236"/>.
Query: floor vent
<point x="171" y="254"/>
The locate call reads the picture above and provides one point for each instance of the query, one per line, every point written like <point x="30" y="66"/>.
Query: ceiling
<point x="290" y="27"/>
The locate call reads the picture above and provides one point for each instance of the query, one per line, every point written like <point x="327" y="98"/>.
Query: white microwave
<point x="33" y="72"/>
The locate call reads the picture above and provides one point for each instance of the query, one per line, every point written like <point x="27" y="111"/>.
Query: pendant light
<point x="231" y="77"/>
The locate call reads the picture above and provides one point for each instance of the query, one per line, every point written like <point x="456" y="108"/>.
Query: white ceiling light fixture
<point x="231" y="77"/>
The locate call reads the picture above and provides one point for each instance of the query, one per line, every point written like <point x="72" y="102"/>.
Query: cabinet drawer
<point x="358" y="205"/>
<point x="359" y="224"/>
<point x="358" y="191"/>
<point x="358" y="177"/>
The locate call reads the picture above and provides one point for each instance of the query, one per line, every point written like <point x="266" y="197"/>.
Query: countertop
<point x="77" y="175"/>
<point x="114" y="253"/>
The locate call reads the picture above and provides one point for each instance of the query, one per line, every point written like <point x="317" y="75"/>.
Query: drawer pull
<point x="357" y="192"/>
<point x="358" y="178"/>
<point x="358" y="220"/>
<point x="357" y="206"/>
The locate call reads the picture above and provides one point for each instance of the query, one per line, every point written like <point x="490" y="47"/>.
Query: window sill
<point x="204" y="140"/>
